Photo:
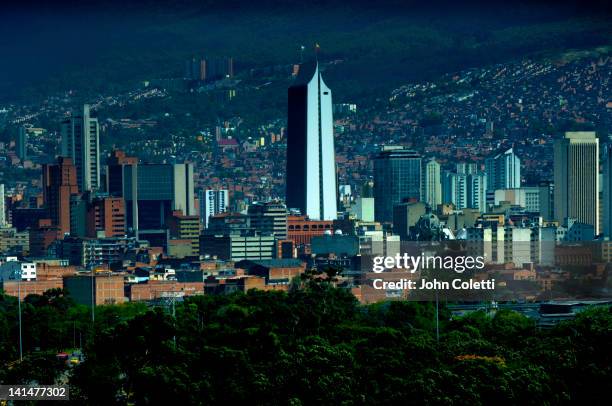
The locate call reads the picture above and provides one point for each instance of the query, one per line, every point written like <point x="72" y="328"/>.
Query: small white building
<point x="28" y="271"/>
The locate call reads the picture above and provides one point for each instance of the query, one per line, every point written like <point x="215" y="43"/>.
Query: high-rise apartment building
<point x="212" y="202"/>
<point x="455" y="189"/>
<point x="503" y="171"/>
<point x="477" y="190"/>
<point x="59" y="184"/>
<point x="81" y="142"/>
<point x="432" y="184"/>
<point x="465" y="189"/>
<point x="397" y="178"/>
<point x="576" y="173"/>
<point x="311" y="167"/>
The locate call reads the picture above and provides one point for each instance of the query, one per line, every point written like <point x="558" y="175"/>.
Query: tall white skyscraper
<point x="432" y="185"/>
<point x="81" y="142"/>
<point x="503" y="171"/>
<point x="212" y="202"/>
<point x="311" y="166"/>
<point x="607" y="193"/>
<point x="576" y="174"/>
<point x="2" y="208"/>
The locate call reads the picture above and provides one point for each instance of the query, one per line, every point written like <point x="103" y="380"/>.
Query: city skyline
<point x="278" y="202"/>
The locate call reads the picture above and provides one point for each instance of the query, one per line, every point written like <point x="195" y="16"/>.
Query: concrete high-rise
<point x="81" y="142"/>
<point x="476" y="188"/>
<point x="466" y="188"/>
<point x="432" y="184"/>
<point x="607" y="192"/>
<point x="212" y="202"/>
<point x="397" y="178"/>
<point x="59" y="184"/>
<point x="311" y="166"/>
<point x="576" y="173"/>
<point x="503" y="171"/>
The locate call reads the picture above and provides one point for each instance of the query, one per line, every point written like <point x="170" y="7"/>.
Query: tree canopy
<point x="312" y="345"/>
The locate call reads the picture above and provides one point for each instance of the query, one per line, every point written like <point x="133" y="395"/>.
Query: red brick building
<point x="156" y="289"/>
<point x="42" y="236"/>
<point x="106" y="215"/>
<point x="301" y="229"/>
<point x="37" y="287"/>
<point x="274" y="271"/>
<point x="59" y="183"/>
<point x="108" y="288"/>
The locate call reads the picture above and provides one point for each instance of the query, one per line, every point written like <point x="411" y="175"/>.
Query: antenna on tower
<point x="302" y="47"/>
<point x="317" y="49"/>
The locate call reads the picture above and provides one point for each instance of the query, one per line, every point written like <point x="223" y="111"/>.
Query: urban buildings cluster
<point x="115" y="228"/>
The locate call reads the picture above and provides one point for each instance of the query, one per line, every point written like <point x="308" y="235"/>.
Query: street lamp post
<point x="19" y="311"/>
<point x="93" y="303"/>
<point x="437" y="318"/>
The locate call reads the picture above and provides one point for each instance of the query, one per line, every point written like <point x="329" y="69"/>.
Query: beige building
<point x="13" y="241"/>
<point x="576" y="178"/>
<point x="432" y="184"/>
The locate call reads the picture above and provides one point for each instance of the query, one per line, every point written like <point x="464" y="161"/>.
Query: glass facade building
<point x="397" y="178"/>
